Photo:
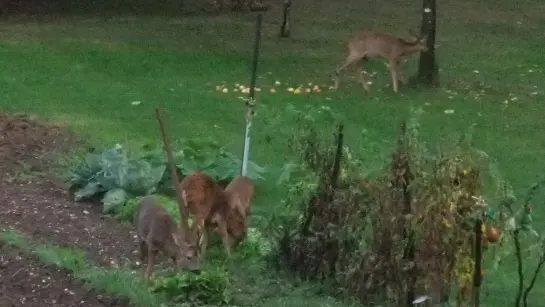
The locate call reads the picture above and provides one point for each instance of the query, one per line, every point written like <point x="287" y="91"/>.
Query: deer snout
<point x="189" y="261"/>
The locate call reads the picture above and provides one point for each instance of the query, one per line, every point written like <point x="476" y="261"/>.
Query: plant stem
<point x="534" y="278"/>
<point x="518" y="254"/>
<point x="477" y="276"/>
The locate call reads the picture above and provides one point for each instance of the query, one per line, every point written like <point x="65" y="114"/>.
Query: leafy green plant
<point x="211" y="286"/>
<point x="112" y="171"/>
<point x="120" y="175"/>
<point x="255" y="246"/>
<point x="215" y="160"/>
<point x="125" y="212"/>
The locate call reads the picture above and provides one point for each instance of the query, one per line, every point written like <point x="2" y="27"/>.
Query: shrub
<point x="210" y="287"/>
<point x="387" y="237"/>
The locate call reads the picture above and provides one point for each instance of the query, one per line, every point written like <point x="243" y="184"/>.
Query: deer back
<point x="374" y="44"/>
<point x="200" y="193"/>
<point x="239" y="193"/>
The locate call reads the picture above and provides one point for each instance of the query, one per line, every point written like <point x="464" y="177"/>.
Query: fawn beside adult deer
<point x="369" y="44"/>
<point x="240" y="192"/>
<point x="157" y="231"/>
<point x="213" y="209"/>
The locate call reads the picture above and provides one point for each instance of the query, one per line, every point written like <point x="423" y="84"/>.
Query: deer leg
<point x="399" y="71"/>
<point x="203" y="242"/>
<point x="393" y="72"/>
<point x="350" y="59"/>
<point x="361" y="79"/>
<point x="222" y="229"/>
<point x="142" y="251"/>
<point x="151" y="260"/>
<point x="143" y="256"/>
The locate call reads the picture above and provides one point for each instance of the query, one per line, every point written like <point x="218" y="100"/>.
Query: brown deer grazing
<point x="370" y="44"/>
<point x="240" y="192"/>
<point x="157" y="231"/>
<point x="211" y="209"/>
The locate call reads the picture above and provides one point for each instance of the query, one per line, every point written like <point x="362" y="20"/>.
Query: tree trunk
<point x="285" y="28"/>
<point x="428" y="69"/>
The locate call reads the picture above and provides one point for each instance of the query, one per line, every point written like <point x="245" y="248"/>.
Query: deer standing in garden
<point x="216" y="209"/>
<point x="369" y="44"/>
<point x="240" y="192"/>
<point x="200" y="195"/>
<point x="156" y="232"/>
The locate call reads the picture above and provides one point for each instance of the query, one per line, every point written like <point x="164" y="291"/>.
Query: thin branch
<point x="534" y="278"/>
<point x="518" y="254"/>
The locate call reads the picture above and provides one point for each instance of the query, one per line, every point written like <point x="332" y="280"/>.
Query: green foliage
<point x="126" y="211"/>
<point x="113" y="199"/>
<point x="113" y="169"/>
<point x="211" y="286"/>
<point x="215" y="160"/>
<point x="122" y="175"/>
<point x="13" y="237"/>
<point x="255" y="246"/>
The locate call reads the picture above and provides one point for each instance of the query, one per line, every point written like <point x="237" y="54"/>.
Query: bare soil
<point x="39" y="205"/>
<point x="24" y="282"/>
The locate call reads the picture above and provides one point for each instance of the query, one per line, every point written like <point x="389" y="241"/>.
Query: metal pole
<point x="251" y="100"/>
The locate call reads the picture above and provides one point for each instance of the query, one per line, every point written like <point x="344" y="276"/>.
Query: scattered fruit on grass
<point x="493" y="234"/>
<point x="272" y="90"/>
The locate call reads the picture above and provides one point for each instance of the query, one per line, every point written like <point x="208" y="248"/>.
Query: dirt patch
<point x="24" y="282"/>
<point x="39" y="205"/>
<point x="26" y="143"/>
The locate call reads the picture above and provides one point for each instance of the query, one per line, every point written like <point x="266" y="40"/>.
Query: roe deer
<point x="157" y="231"/>
<point x="370" y="44"/>
<point x="240" y="192"/>
<point x="209" y="204"/>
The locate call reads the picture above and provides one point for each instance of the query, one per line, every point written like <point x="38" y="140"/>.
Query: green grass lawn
<point x="85" y="72"/>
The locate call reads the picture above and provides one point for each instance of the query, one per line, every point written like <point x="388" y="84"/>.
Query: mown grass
<point x="85" y="72"/>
